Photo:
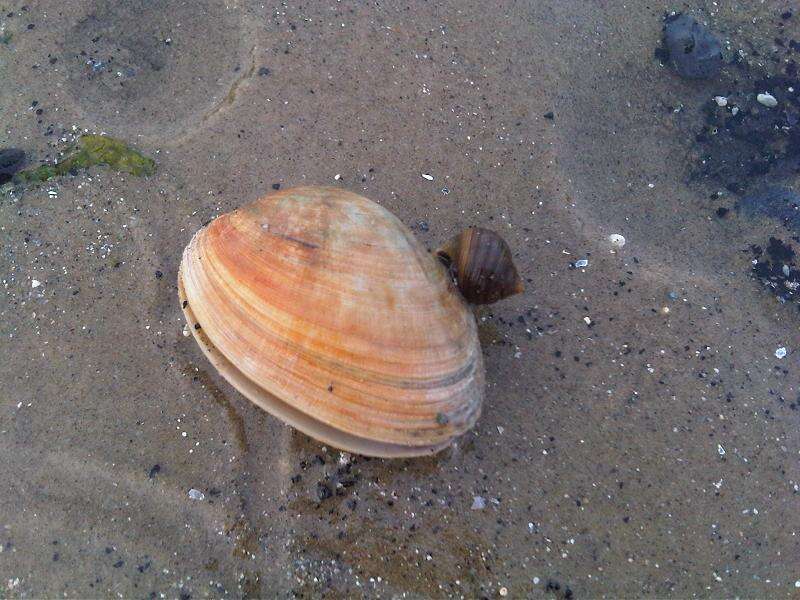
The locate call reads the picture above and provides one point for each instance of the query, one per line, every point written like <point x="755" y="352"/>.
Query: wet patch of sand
<point x="639" y="435"/>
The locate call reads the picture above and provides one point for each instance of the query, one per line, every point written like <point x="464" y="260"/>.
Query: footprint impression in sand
<point x="154" y="68"/>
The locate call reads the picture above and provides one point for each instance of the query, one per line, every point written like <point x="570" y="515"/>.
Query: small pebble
<point x="504" y="591"/>
<point x="35" y="283"/>
<point x="780" y="352"/>
<point x="672" y="295"/>
<point x="478" y="503"/>
<point x="579" y="264"/>
<point x="323" y="492"/>
<point x="196" y="494"/>
<point x="721" y="101"/>
<point x="767" y="100"/>
<point x="428" y="177"/>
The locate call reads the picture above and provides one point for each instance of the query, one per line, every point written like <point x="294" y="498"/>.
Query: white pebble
<point x="735" y="110"/>
<point x="504" y="591"/>
<point x="428" y="177"/>
<point x="797" y="583"/>
<point x="767" y="100"/>
<point x="587" y="320"/>
<point x="536" y="581"/>
<point x="35" y="283"/>
<point x="478" y="503"/>
<point x="721" y="101"/>
<point x="617" y="240"/>
<point x="338" y="176"/>
<point x="579" y="264"/>
<point x="196" y="494"/>
<point x="780" y="352"/>
<point x="721" y="450"/>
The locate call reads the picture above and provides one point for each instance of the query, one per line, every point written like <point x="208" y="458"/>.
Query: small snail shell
<point x="480" y="263"/>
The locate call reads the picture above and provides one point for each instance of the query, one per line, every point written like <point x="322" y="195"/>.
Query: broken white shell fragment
<point x="617" y="240"/>
<point x="767" y="100"/>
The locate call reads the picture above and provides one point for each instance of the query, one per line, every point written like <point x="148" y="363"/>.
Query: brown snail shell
<point x="481" y="264"/>
<point x="322" y="308"/>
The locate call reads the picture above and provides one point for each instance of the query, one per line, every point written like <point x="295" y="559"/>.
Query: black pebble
<point x="264" y="71"/>
<point x="323" y="492"/>
<point x="276" y="186"/>
<point x="549" y="115"/>
<point x="722" y="211"/>
<point x="694" y="51"/>
<point x="154" y="471"/>
<point x="11" y="161"/>
<point x="159" y="274"/>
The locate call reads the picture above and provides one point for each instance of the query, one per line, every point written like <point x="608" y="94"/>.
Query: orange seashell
<point x="322" y="308"/>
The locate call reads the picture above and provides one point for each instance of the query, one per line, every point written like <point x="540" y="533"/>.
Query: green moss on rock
<point x="89" y="151"/>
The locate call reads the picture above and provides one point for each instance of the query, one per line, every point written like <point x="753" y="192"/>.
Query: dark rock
<point x="11" y="161"/>
<point x="264" y="71"/>
<point x="323" y="492"/>
<point x="694" y="51"/>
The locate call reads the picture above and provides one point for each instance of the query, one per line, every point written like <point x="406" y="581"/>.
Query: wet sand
<point x="624" y="450"/>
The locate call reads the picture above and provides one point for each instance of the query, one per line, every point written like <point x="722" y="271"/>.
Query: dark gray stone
<point x="694" y="51"/>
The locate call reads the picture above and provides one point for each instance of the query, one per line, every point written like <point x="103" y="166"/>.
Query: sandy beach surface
<point x="640" y="433"/>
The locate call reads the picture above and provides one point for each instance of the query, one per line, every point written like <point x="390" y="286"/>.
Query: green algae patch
<point x="89" y="151"/>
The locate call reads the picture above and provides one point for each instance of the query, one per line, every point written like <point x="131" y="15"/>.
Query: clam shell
<point x="322" y="308"/>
